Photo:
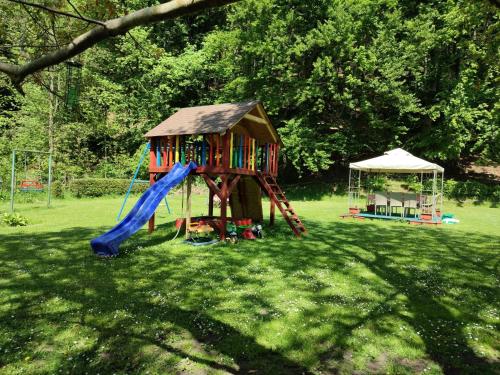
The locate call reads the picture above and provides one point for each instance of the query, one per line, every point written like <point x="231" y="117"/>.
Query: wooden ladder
<point x="274" y="192"/>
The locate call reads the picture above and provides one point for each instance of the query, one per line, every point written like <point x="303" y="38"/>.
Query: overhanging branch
<point x="111" y="28"/>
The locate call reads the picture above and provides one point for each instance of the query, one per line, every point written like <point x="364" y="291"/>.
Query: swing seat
<point x="30" y="186"/>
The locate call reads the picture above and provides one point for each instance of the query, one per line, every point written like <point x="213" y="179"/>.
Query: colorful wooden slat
<point x="183" y="151"/>
<point x="170" y="151"/>
<point x="158" y="152"/>
<point x="267" y="157"/>
<point x="254" y="155"/>
<point x="240" y="158"/>
<point x="217" y="145"/>
<point x="210" y="150"/>
<point x="152" y="154"/>
<point x="177" y="145"/>
<point x="277" y="158"/>
<point x="271" y="158"/>
<point x="204" y="151"/>
<point x="248" y="153"/>
<point x="244" y="164"/>
<point x="231" y="151"/>
<point x="164" y="151"/>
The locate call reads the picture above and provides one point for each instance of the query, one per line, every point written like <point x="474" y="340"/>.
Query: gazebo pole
<point x="434" y="187"/>
<point x="421" y="191"/>
<point x="349" y="191"/>
<point x="359" y="189"/>
<point x="442" y="193"/>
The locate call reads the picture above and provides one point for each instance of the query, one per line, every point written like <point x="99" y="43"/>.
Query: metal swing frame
<point x="13" y="174"/>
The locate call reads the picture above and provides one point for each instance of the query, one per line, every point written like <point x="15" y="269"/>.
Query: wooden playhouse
<point x="236" y="149"/>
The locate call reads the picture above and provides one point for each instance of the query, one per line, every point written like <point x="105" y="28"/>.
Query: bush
<point x="97" y="187"/>
<point x="377" y="182"/>
<point x="15" y="220"/>
<point x="58" y="189"/>
<point x="462" y="190"/>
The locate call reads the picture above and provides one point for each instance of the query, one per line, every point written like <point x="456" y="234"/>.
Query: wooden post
<point x="151" y="223"/>
<point x="272" y="213"/>
<point x="223" y="208"/>
<point x="188" y="204"/>
<point x="210" y="202"/>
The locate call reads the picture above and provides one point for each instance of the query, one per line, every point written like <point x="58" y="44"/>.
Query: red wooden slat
<point x="217" y="148"/>
<point x="152" y="154"/>
<point x="277" y="158"/>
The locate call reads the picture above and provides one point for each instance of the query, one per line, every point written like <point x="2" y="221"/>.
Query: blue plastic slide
<point x="109" y="242"/>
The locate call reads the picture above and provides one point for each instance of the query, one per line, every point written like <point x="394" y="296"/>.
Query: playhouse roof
<point x="218" y="118"/>
<point x="396" y="161"/>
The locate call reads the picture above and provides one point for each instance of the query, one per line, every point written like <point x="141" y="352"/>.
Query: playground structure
<point x="29" y="183"/>
<point x="234" y="148"/>
<point x="233" y="142"/>
<point x="426" y="204"/>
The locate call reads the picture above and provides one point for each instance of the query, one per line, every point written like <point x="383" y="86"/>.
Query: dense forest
<point x="341" y="80"/>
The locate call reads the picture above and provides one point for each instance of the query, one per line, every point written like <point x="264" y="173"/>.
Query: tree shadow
<point x="93" y="287"/>
<point x="421" y="264"/>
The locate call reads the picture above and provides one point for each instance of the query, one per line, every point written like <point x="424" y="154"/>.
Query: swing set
<point x="30" y="183"/>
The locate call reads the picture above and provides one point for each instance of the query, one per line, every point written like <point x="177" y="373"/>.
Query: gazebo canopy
<point x="396" y="161"/>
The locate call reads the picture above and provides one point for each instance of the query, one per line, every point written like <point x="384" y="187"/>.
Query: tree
<point x="104" y="30"/>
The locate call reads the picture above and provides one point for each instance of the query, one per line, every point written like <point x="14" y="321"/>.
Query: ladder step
<point x="275" y="193"/>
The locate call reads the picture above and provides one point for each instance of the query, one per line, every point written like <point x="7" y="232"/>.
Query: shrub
<point x="462" y="190"/>
<point x="58" y="189"/>
<point x="15" y="220"/>
<point x="97" y="187"/>
<point x="377" y="182"/>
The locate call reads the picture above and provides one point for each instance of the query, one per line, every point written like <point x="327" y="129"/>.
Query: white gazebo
<point x="399" y="161"/>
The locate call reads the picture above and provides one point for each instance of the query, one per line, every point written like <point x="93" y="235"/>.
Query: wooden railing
<point x="235" y="152"/>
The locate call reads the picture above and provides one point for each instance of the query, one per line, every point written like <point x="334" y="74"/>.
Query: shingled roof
<point x="203" y="119"/>
<point x="210" y="119"/>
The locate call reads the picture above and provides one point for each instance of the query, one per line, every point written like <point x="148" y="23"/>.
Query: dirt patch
<point x="335" y="361"/>
<point x="416" y="365"/>
<point x="378" y="364"/>
<point x="489" y="172"/>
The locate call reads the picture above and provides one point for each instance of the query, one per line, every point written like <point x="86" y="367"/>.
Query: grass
<point x="351" y="298"/>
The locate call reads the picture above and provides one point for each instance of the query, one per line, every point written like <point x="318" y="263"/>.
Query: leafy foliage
<point x="97" y="187"/>
<point x="462" y="190"/>
<point x="342" y="80"/>
<point x="15" y="220"/>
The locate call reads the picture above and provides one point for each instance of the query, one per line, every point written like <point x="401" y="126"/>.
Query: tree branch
<point x="111" y="28"/>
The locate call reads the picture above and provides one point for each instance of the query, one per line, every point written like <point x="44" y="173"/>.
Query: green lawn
<point x="352" y="298"/>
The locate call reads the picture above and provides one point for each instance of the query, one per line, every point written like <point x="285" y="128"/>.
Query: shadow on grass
<point x="60" y="265"/>
<point x="421" y="264"/>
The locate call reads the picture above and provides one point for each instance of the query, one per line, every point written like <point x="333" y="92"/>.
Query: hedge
<point x="478" y="191"/>
<point x="97" y="187"/>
